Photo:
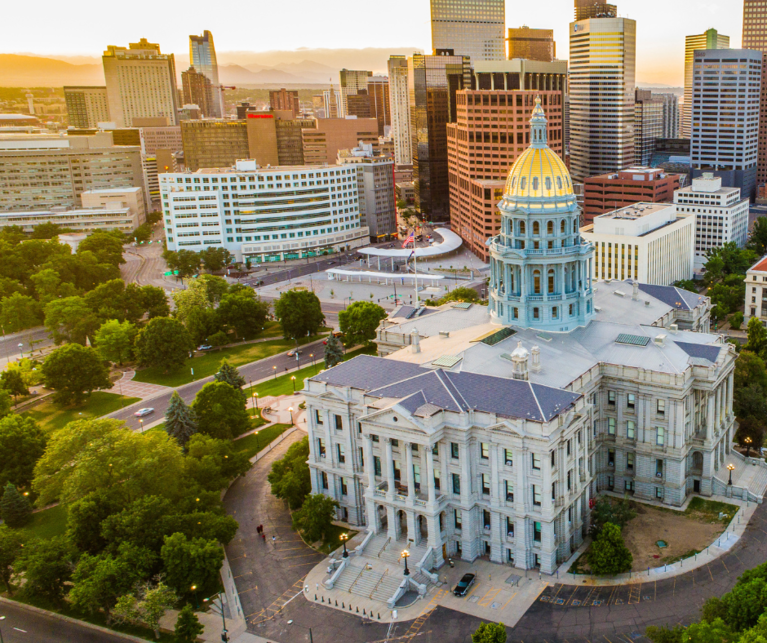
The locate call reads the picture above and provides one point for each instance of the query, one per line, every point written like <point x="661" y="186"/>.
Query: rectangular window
<point x="537" y="533"/>
<point x="553" y="490"/>
<point x="660" y="436"/>
<point x="341" y="453"/>
<point x="374" y="438"/>
<point x="611" y="426"/>
<point x="509" y="487"/>
<point x="659" y="468"/>
<point x="631" y="430"/>
<point x="570" y="514"/>
<point x="509" y="527"/>
<point x="362" y="457"/>
<point x="484" y="449"/>
<point x="536" y="461"/>
<point x="631" y="401"/>
<point x="486" y="483"/>
<point x="553" y="459"/>
<point x="630" y="461"/>
<point x="659" y="493"/>
<point x="324" y="477"/>
<point x="611" y="398"/>
<point x="436" y="479"/>
<point x="339" y="422"/>
<point x="321" y="447"/>
<point x="536" y="495"/>
<point x="661" y="407"/>
<point x="435" y="449"/>
<point x="344" y="489"/>
<point x="377" y="465"/>
<point x="486" y="519"/>
<point x="508" y="457"/>
<point x="456" y="484"/>
<point x="458" y="518"/>
<point x="610" y="457"/>
<point x="394" y="443"/>
<point x="454" y="450"/>
<point x="570" y="480"/>
<point x="317" y="417"/>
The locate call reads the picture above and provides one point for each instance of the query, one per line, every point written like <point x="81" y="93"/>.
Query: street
<point x="9" y="344"/>
<point x="24" y="626"/>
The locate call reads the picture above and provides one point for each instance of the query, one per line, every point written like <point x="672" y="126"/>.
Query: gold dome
<point x="538" y="172"/>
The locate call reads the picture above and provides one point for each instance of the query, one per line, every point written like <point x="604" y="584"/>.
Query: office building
<point x="725" y="116"/>
<point x="264" y="214"/>
<point x="721" y="215"/>
<point x="197" y="90"/>
<point x="159" y="137"/>
<point x="202" y="56"/>
<point x="358" y="104"/>
<point x="73" y="165"/>
<point x="648" y="125"/>
<point x="400" y="110"/>
<point x="484" y="440"/>
<point x="352" y="82"/>
<point x="646" y="242"/>
<point x="78" y="219"/>
<point x="86" y="106"/>
<point x="375" y="188"/>
<point x="433" y="82"/>
<point x="711" y="39"/>
<point x="756" y="292"/>
<point x="532" y="44"/>
<point x="602" y="83"/>
<point x="380" y="103"/>
<point x="473" y="28"/>
<point x="755" y="37"/>
<point x="284" y="100"/>
<point x="585" y="9"/>
<point x="213" y="143"/>
<point x="527" y="75"/>
<point x="322" y="143"/>
<point x="491" y="131"/>
<point x="608" y="192"/>
<point x="140" y="82"/>
<point x="333" y="105"/>
<point x="671" y="114"/>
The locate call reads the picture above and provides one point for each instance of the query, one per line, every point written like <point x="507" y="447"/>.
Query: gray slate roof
<point x="367" y="372"/>
<point x="702" y="351"/>
<point x="675" y="297"/>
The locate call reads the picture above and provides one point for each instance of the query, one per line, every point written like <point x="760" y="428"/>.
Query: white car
<point x="143" y="412"/>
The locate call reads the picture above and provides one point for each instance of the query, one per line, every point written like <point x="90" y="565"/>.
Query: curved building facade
<point x="540" y="265"/>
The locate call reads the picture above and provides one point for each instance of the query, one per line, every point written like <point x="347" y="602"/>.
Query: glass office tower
<point x="473" y="28"/>
<point x="202" y="56"/>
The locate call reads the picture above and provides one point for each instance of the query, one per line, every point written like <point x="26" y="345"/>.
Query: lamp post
<point x="291" y="416"/>
<point x="748" y="442"/>
<point x="220" y="607"/>
<point x="196" y="600"/>
<point x="406" y="555"/>
<point x="312" y="356"/>
<point x="2" y="618"/>
<point x="255" y="399"/>
<point x="141" y="424"/>
<point x="21" y="350"/>
<point x="274" y="368"/>
<point x="293" y="380"/>
<point x="344" y="538"/>
<point x="730" y="468"/>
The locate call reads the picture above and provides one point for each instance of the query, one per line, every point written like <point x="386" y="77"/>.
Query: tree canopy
<point x="75" y="371"/>
<point x="289" y="476"/>
<point x="608" y="553"/>
<point x="359" y="322"/>
<point x="220" y="411"/>
<point x="163" y="343"/>
<point x="22" y="443"/>
<point x="299" y="313"/>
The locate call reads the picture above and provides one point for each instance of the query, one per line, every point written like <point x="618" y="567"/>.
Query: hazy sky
<point x="267" y="25"/>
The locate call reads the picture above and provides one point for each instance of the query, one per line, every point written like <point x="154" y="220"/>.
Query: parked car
<point x="464" y="584"/>
<point x="144" y="412"/>
<point x="205" y="347"/>
<point x="293" y="353"/>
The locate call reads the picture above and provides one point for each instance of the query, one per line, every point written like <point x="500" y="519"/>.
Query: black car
<point x="464" y="585"/>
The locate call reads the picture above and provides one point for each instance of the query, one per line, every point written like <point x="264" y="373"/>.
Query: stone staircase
<point x="369" y="583"/>
<point x="390" y="551"/>
<point x="752" y="477"/>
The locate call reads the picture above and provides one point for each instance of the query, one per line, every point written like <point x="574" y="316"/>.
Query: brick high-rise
<point x="284" y="100"/>
<point x="755" y="37"/>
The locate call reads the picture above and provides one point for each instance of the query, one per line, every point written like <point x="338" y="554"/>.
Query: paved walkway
<point x="128" y="387"/>
<point x="747" y="474"/>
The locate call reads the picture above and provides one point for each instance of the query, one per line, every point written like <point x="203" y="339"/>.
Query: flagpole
<point x="415" y="269"/>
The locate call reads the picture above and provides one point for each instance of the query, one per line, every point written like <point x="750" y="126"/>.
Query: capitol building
<point x="485" y="431"/>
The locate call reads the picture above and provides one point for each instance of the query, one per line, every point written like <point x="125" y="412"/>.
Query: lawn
<point x="332" y="538"/>
<point x="283" y="385"/>
<point x="51" y="417"/>
<point x="208" y="364"/>
<point x="47" y="523"/>
<point x="255" y="442"/>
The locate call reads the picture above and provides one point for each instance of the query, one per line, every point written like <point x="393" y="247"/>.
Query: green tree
<point x="750" y="434"/>
<point x="758" y="239"/>
<point x="103" y="454"/>
<point x="70" y="320"/>
<point x="212" y="464"/>
<point x="192" y="299"/>
<point x="245" y="315"/>
<point x="665" y="634"/>
<point x="163" y="343"/>
<point x="186" y="262"/>
<point x="47" y="230"/>
<point x="75" y="371"/>
<point x="14" y="507"/>
<point x="114" y="341"/>
<point x="334" y="351"/>
<point x="229" y="374"/>
<point x="736" y="320"/>
<point x="757" y="338"/>
<point x="300" y="314"/>
<point x="220" y="411"/>
<point x="489" y="633"/>
<point x="10" y="286"/>
<point x="112" y="300"/>
<point x="608" y="553"/>
<point x="191" y="562"/>
<point x="687" y="284"/>
<point x="154" y="301"/>
<point x="47" y="565"/>
<point x="215" y="287"/>
<point x="98" y="581"/>
<point x="5" y="403"/>
<point x="10" y="550"/>
<point x="13" y="382"/>
<point x="215" y="259"/>
<point x="607" y="510"/>
<point x="180" y="422"/>
<point x="107" y="246"/>
<point x="20" y="312"/>
<point x="84" y="518"/>
<point x="188" y="626"/>
<point x="146" y="606"/>
<point x="142" y="233"/>
<point x="750" y="384"/>
<point x="360" y="321"/>
<point x="460" y="294"/>
<point x="22" y="444"/>
<point x="202" y="323"/>
<point x="315" y="516"/>
<point x="49" y="286"/>
<point x="290" y="477"/>
<point x="218" y="339"/>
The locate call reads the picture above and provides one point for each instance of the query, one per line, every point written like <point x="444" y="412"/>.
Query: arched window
<point x="559" y="182"/>
<point x="513" y="182"/>
<point x="523" y="183"/>
<point x="512" y="284"/>
<point x="550" y="227"/>
<point x="536" y="228"/>
<point x="548" y="183"/>
<point x="575" y="225"/>
<point x="536" y="282"/>
<point x="521" y="228"/>
<point x="551" y="282"/>
<point x="536" y="183"/>
<point x="562" y="226"/>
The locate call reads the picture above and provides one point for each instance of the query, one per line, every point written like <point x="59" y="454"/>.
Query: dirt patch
<point x="684" y="532"/>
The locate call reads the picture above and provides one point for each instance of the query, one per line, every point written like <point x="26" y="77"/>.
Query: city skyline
<point x="660" y="43"/>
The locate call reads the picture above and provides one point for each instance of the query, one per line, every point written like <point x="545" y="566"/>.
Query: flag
<point x="410" y="239"/>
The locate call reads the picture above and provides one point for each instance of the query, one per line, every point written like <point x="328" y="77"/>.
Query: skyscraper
<point x="671" y="115"/>
<point x="202" y="56"/>
<point x="602" y="82"/>
<point x="648" y="125"/>
<point x="141" y="83"/>
<point x="352" y="81"/>
<point x="197" y="90"/>
<point x="755" y="37"/>
<point x="285" y="100"/>
<point x="532" y="44"/>
<point x="86" y="106"/>
<point x="380" y="102"/>
<point x="473" y="28"/>
<point x="433" y="82"/>
<point x="594" y="9"/>
<point x="724" y="140"/>
<point x="711" y="39"/>
<point x="400" y="110"/>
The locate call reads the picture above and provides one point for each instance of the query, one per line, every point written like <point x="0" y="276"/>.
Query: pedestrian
<point x="260" y="529"/>
<point x="274" y="538"/>
<point x="263" y="537"/>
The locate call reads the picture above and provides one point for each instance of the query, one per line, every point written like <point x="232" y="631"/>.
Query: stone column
<point x="369" y="465"/>
<point x="389" y="469"/>
<point x="410" y="482"/>
<point x="495" y="491"/>
<point x="465" y="474"/>
<point x="710" y="416"/>
<point x="641" y="401"/>
<point x="730" y="390"/>
<point x="391" y="522"/>
<point x="430" y="477"/>
<point x="413" y="533"/>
